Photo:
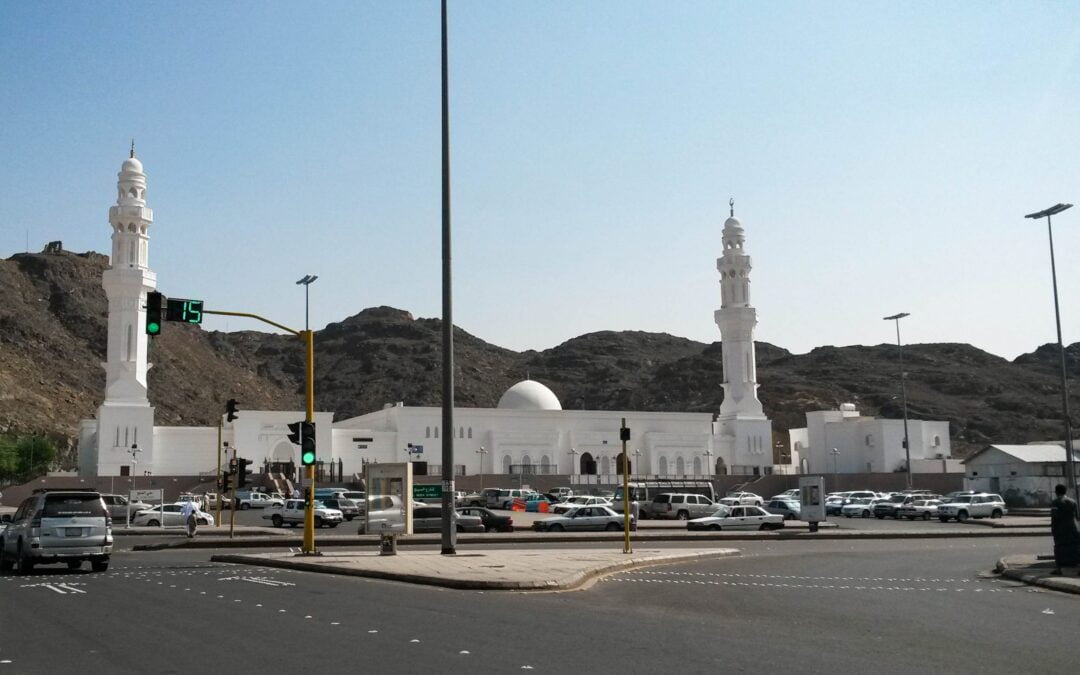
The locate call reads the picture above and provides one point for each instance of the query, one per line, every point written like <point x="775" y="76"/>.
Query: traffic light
<point x="153" y="313"/>
<point x="231" y="409"/>
<point x="232" y="465"/>
<point x="303" y="434"/>
<point x="226" y="480"/>
<point x="243" y="472"/>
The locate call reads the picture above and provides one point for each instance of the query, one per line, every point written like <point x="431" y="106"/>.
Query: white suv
<point x="983" y="505"/>
<point x="679" y="506"/>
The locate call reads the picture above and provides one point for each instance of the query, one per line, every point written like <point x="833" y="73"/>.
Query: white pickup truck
<point x="256" y="500"/>
<point x="292" y="514"/>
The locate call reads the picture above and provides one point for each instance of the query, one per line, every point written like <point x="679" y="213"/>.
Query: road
<point x="879" y="606"/>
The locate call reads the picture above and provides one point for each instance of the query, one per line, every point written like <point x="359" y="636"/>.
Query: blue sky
<point x="881" y="155"/>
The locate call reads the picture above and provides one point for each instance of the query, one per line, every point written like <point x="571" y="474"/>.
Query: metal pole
<point x="625" y="490"/>
<point x="903" y="391"/>
<point x="449" y="533"/>
<point x="221" y="494"/>
<point x="1069" y="468"/>
<point x="309" y="391"/>
<point x="233" y="510"/>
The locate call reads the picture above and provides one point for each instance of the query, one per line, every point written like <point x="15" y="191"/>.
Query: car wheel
<point x="333" y="525"/>
<point x="879" y="516"/>
<point x="555" y="528"/>
<point x="5" y="563"/>
<point x="962" y="516"/>
<point x="943" y="519"/>
<point x="74" y="564"/>
<point x="683" y="515"/>
<point x="925" y="515"/>
<point x="293" y="524"/>
<point x="276" y="520"/>
<point x="847" y="515"/>
<point x="99" y="564"/>
<point x="244" y="506"/>
<point x="996" y="513"/>
<point x="153" y="523"/>
<point x="613" y="527"/>
<point x="349" y="518"/>
<point x="23" y="564"/>
<point x="764" y="526"/>
<point x="865" y="514"/>
<point x="714" y="527"/>
<point x="318" y="522"/>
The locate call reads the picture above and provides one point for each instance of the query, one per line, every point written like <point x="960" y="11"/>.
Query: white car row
<point x="738" y="518"/>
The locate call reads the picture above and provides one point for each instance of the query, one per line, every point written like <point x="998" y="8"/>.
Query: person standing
<point x="1063" y="527"/>
<point x="190" y="514"/>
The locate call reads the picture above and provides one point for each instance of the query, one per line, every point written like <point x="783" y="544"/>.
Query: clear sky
<point x="881" y="155"/>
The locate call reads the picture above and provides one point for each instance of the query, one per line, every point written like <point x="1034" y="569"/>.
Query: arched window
<point x="506" y="463"/>
<point x="470" y="432"/>
<point x="130" y="344"/>
<point x="869" y="440"/>
<point x="427" y="432"/>
<point x="661" y="466"/>
<point x="545" y="465"/>
<point x="526" y="464"/>
<point x="461" y="433"/>
<point x="436" y="432"/>
<point x="680" y="466"/>
<point x="937" y="441"/>
<point x="697" y="466"/>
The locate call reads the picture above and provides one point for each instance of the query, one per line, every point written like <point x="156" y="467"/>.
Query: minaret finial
<point x="731" y="202"/>
<point x="133" y="148"/>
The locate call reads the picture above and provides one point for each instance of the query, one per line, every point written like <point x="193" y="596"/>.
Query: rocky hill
<point x="53" y="329"/>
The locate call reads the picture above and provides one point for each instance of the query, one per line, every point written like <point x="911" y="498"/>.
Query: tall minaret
<point x="125" y="418"/>
<point x="736" y="319"/>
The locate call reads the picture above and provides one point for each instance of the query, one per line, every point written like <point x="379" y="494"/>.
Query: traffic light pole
<point x="232" y="511"/>
<point x="309" y="509"/>
<point x="221" y="493"/>
<point x="307" y="337"/>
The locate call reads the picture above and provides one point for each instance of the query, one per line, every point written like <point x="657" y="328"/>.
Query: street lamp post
<point x="708" y="454"/>
<point x="573" y="459"/>
<point x="637" y="459"/>
<point x="134" y="450"/>
<point x="903" y="392"/>
<point x="1069" y="467"/>
<point x="305" y="282"/>
<point x="481" y="452"/>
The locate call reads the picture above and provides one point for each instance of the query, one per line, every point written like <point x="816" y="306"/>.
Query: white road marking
<point x="62" y="588"/>
<point x="266" y="581"/>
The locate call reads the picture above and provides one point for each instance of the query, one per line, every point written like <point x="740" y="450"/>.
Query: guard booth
<point x="812" y="500"/>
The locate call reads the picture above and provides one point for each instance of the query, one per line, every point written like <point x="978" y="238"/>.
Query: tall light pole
<point x="637" y="459"/>
<point x="1071" y="480"/>
<point x="573" y="459"/>
<point x="305" y="282"/>
<point x="835" y="452"/>
<point x="903" y="392"/>
<point x="481" y="452"/>
<point x="134" y="451"/>
<point x="449" y="533"/>
<point x="708" y="454"/>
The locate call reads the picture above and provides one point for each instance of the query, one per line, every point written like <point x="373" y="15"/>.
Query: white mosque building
<point x="527" y="433"/>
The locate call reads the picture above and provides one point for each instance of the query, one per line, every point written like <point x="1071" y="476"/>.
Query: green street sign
<point x="433" y="491"/>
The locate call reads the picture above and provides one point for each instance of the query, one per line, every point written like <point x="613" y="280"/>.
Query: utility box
<point x="389" y="498"/>
<point x="812" y="500"/>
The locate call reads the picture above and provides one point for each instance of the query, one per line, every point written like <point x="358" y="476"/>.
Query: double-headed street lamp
<point x="1069" y="468"/>
<point x="305" y="282"/>
<point x="903" y="391"/>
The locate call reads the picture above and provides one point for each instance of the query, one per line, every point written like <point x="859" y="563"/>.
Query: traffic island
<point x="1035" y="570"/>
<point x="493" y="570"/>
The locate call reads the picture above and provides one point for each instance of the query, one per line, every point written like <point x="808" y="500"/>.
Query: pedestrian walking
<point x="190" y="514"/>
<point x="1063" y="526"/>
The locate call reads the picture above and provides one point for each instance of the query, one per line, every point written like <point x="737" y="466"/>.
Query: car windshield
<point x="721" y="512"/>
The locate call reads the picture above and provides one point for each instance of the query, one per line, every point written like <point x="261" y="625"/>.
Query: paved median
<point x="499" y="569"/>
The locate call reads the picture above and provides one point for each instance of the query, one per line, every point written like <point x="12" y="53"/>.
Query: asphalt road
<point x="908" y="606"/>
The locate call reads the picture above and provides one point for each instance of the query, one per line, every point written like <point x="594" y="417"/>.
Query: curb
<point x="531" y="538"/>
<point x="574" y="582"/>
<point x="1043" y="580"/>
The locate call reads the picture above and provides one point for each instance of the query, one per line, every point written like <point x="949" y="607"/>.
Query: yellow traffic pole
<point x="221" y="493"/>
<point x="624" y="434"/>
<point x="309" y="507"/>
<point x="235" y="508"/>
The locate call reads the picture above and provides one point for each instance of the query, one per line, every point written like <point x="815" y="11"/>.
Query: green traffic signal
<point x="153" y="328"/>
<point x="153" y="313"/>
<point x="307" y="458"/>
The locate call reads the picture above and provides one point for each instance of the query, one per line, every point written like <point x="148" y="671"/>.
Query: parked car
<point x="118" y="506"/>
<point x="792" y="494"/>
<point x="348" y="507"/>
<point x="580" y="500"/>
<point x="834" y="505"/>
<point x="582" y="518"/>
<point x="981" y="505"/>
<point x="862" y="507"/>
<point x="491" y="520"/>
<point x="533" y="502"/>
<point x="482" y="497"/>
<point x="250" y="499"/>
<point x="788" y="508"/>
<point x="679" y="506"/>
<point x="57" y="527"/>
<point x="504" y="499"/>
<point x="167" y="515"/>
<point x="920" y="508"/>
<point x="742" y="498"/>
<point x="292" y="513"/>
<point x="737" y="518"/>
<point x="889" y="507"/>
<point x="561" y="492"/>
<point x="428" y="518"/>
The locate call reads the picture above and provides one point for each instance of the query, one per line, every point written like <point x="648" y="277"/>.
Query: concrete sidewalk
<point x="1032" y="569"/>
<point x="499" y="569"/>
<point x="204" y="531"/>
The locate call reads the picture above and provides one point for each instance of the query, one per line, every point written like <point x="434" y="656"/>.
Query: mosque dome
<point x="733" y="223"/>
<point x="131" y="164"/>
<point x="529" y="395"/>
